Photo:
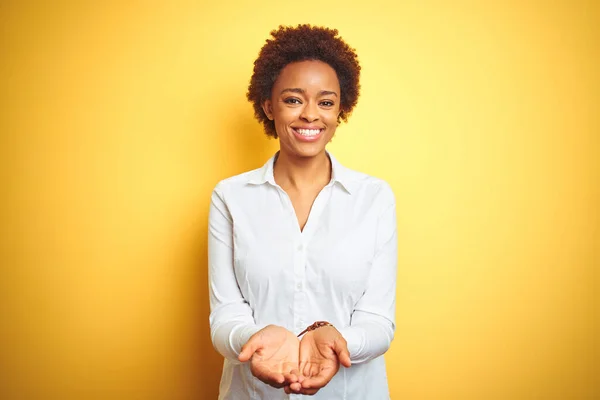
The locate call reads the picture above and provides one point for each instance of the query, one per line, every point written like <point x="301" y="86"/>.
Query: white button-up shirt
<point x="340" y="268"/>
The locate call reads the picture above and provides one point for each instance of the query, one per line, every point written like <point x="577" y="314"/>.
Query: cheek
<point x="332" y="117"/>
<point x="286" y="115"/>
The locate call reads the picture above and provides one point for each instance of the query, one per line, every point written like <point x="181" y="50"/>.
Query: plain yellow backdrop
<point x="118" y="118"/>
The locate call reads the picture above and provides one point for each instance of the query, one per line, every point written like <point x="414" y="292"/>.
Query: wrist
<point x="277" y="330"/>
<point x="314" y="326"/>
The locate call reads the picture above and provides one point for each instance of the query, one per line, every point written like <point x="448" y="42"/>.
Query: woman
<point x="302" y="240"/>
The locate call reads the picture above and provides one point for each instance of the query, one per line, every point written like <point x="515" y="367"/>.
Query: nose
<point x="310" y="112"/>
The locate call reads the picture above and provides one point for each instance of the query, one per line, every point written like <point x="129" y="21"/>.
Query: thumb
<point x="249" y="349"/>
<point x="341" y="349"/>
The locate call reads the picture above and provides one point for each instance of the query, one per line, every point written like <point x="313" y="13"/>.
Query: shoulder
<point x="237" y="181"/>
<point x="375" y="188"/>
<point x="241" y="182"/>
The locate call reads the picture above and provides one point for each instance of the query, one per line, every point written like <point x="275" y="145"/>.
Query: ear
<point x="267" y="107"/>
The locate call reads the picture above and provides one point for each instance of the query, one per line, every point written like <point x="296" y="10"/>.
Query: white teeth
<point x="308" y="132"/>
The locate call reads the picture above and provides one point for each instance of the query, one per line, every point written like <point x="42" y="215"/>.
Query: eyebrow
<point x="302" y="91"/>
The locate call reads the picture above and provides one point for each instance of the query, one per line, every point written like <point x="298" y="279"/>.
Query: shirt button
<point x="299" y="247"/>
<point x="299" y="286"/>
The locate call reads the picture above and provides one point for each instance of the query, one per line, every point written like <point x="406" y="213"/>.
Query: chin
<point x="309" y="151"/>
<point x="297" y="148"/>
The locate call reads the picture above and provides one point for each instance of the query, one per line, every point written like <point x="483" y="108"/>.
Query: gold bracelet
<point x="314" y="326"/>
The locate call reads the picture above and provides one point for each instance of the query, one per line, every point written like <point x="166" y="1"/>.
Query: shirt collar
<point x="339" y="174"/>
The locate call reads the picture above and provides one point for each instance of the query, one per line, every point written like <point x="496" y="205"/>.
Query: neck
<point x="302" y="173"/>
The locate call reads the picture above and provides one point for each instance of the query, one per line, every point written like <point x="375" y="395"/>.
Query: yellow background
<point x="118" y="118"/>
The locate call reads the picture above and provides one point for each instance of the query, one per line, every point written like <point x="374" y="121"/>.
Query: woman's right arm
<point x="231" y="320"/>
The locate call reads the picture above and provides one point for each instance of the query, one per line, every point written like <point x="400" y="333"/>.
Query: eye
<point x="327" y="103"/>
<point x="292" y="100"/>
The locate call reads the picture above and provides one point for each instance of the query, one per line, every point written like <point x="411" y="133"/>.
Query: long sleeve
<point x="372" y="326"/>
<point x="231" y="318"/>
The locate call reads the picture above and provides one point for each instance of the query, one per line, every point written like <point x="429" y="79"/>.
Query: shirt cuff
<point x="240" y="336"/>
<point x="353" y="339"/>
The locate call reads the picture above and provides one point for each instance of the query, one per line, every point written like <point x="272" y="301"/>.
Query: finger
<point x="305" y="369"/>
<point x="249" y="349"/>
<point x="315" y="369"/>
<point x="287" y="389"/>
<point x="341" y="349"/>
<point x="316" y="382"/>
<point x="278" y="380"/>
<point x="274" y="379"/>
<point x="295" y="388"/>
<point x="309" y="392"/>
<point x="309" y="368"/>
<point x="297" y="373"/>
<point x="290" y="377"/>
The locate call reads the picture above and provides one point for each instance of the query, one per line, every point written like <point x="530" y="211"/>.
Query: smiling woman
<point x="302" y="43"/>
<point x="303" y="241"/>
<point x="305" y="114"/>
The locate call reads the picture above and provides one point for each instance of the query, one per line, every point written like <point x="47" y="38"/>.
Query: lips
<point x="308" y="134"/>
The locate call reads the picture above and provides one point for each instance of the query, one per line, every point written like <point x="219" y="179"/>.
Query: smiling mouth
<point x="308" y="133"/>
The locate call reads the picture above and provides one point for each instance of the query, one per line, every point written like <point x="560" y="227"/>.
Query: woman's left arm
<point x="372" y="324"/>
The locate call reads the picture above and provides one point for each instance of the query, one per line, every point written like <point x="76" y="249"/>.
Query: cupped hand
<point x="321" y="353"/>
<point x="273" y="353"/>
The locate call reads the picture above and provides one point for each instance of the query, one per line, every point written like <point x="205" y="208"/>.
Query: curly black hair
<point x="301" y="43"/>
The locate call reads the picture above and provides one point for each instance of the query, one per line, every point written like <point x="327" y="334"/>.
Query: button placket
<point x="299" y="295"/>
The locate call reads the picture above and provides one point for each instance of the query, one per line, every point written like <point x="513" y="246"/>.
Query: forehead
<point x="308" y="75"/>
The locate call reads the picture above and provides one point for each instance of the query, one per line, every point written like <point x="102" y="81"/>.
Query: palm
<point x="318" y="361"/>
<point x="277" y="357"/>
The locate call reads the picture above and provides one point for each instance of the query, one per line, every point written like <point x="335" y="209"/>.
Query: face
<point x="304" y="104"/>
